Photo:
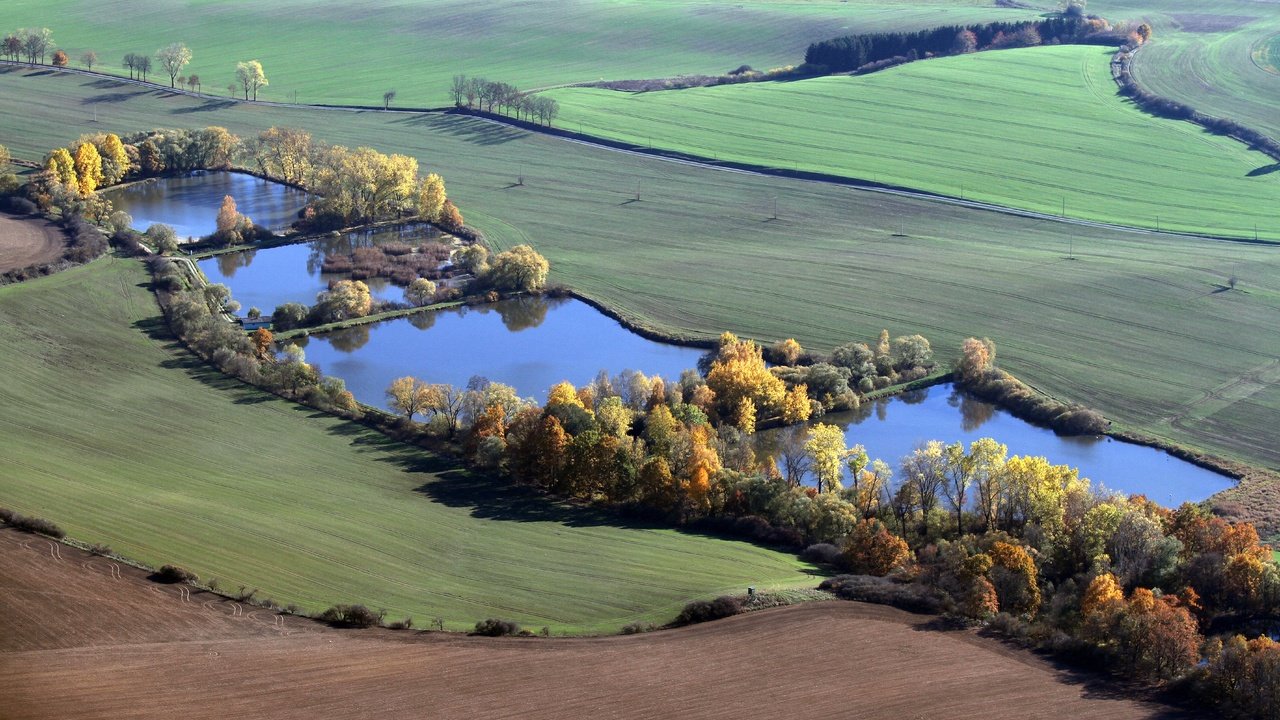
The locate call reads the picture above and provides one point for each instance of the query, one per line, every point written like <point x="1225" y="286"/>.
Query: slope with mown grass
<point x="117" y="434"/>
<point x="1036" y="128"/>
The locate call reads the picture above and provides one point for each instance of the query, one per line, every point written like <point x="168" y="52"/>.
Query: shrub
<point x="175" y="574"/>
<point x="700" y="611"/>
<point x="636" y="628"/>
<point x="31" y="524"/>
<point x="405" y="624"/>
<point x="883" y="591"/>
<point x="494" y="627"/>
<point x="100" y="549"/>
<point x="356" y="616"/>
<point x="823" y="553"/>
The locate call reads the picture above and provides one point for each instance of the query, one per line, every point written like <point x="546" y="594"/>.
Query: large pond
<point x="266" y="279"/>
<point x="891" y="428"/>
<point x="528" y="343"/>
<point x="189" y="203"/>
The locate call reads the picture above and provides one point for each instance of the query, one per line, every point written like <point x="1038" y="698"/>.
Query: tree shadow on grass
<point x="476" y="132"/>
<point x="114" y="97"/>
<point x="206" y="106"/>
<point x="1264" y="170"/>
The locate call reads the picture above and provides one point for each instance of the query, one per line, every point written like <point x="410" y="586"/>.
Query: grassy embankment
<point x="341" y="52"/>
<point x="1138" y="326"/>
<point x="1038" y="128"/>
<point x="113" y="431"/>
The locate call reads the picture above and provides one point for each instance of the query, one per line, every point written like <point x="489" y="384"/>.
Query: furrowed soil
<point x="79" y="640"/>
<point x="28" y="242"/>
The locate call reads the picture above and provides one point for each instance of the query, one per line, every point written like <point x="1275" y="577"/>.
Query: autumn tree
<point x="88" y="165"/>
<point x="925" y="470"/>
<point x="263" y="344"/>
<point x="447" y="402"/>
<point x="231" y="225"/>
<point x="88" y="59"/>
<point x="11" y="46"/>
<point x="976" y="358"/>
<point x="745" y="416"/>
<point x="827" y="451"/>
<point x="420" y="292"/>
<point x="408" y="395"/>
<point x="957" y="478"/>
<point x="60" y="59"/>
<point x="431" y="197"/>
<point x="795" y="405"/>
<point x="787" y="352"/>
<point x="344" y="300"/>
<point x="115" y="159"/>
<point x="284" y="153"/>
<point x="36" y="42"/>
<point x="1014" y="576"/>
<point x="173" y="58"/>
<point x="250" y="77"/>
<point x="987" y="468"/>
<point x="519" y="269"/>
<point x="739" y="371"/>
<point x="63" y="167"/>
<point x="871" y="549"/>
<point x="1102" y="596"/>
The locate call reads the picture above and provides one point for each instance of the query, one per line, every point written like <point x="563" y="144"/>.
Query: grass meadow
<point x="1207" y="54"/>
<point x="335" y="51"/>
<point x="115" y="432"/>
<point x="1038" y="128"/>
<point x="1139" y="326"/>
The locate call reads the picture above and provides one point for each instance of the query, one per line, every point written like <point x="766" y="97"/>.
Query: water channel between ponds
<point x="533" y="343"/>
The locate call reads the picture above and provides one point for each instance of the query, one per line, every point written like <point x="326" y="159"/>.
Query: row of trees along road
<point x="481" y="94"/>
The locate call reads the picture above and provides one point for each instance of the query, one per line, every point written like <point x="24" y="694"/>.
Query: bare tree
<point x="36" y="42"/>
<point x="459" y="89"/>
<point x="387" y="97"/>
<point x="144" y="66"/>
<point x="173" y="58"/>
<point x="12" y="46"/>
<point x="193" y="82"/>
<point x="88" y="59"/>
<point x="131" y="62"/>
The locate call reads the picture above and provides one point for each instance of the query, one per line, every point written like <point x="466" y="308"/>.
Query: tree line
<point x="480" y="94"/>
<point x="873" y="50"/>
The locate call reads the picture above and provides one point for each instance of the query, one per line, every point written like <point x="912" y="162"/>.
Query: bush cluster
<point x="175" y="574"/>
<point x="31" y="524"/>
<point x="495" y="627"/>
<point x="700" y="611"/>
<point x="354" y="616"/>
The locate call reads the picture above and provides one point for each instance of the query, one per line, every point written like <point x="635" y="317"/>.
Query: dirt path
<point x="26" y="242"/>
<point x="80" y="638"/>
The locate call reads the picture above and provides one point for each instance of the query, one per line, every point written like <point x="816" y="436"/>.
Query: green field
<point x="1033" y="128"/>
<point x="1268" y="54"/>
<point x="1137" y="325"/>
<point x="1204" y="55"/>
<point x="117" y="434"/>
<point x="335" y="51"/>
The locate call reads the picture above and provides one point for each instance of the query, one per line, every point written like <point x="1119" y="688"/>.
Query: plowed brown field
<point x="80" y="640"/>
<point x="28" y="242"/>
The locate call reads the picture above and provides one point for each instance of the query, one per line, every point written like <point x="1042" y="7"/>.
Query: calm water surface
<point x="189" y="204"/>
<point x="891" y="428"/>
<point x="528" y="343"/>
<point x="268" y="278"/>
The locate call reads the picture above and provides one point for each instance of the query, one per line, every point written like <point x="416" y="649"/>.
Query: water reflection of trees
<point x="974" y="413"/>
<point x="350" y="339"/>
<point x="522" y="313"/>
<point x="228" y="263"/>
<point x="423" y="320"/>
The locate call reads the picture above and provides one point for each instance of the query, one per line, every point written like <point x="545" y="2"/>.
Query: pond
<point x="891" y="428"/>
<point x="268" y="278"/>
<point x="189" y="203"/>
<point x="528" y="343"/>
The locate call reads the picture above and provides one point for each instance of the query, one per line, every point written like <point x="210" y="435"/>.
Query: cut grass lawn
<point x="336" y="51"/>
<point x="1038" y="128"/>
<point x="113" y="431"/>
<point x="1139" y="326"/>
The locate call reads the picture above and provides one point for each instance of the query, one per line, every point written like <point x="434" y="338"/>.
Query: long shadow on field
<point x="114" y="97"/>
<point x="1264" y="170"/>
<point x="206" y="106"/>
<point x="471" y="130"/>
<point x="1083" y="672"/>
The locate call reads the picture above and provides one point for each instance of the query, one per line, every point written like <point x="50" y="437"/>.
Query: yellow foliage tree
<point x="739" y="371"/>
<point x="431" y="197"/>
<point x="788" y="351"/>
<point x="976" y="358"/>
<point x="827" y="450"/>
<point x="408" y="395"/>
<point x="795" y="405"/>
<point x="745" y="416"/>
<point x="564" y="393"/>
<point x="1103" y="595"/>
<point x="64" y="168"/>
<point x="115" y="160"/>
<point x="88" y="164"/>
